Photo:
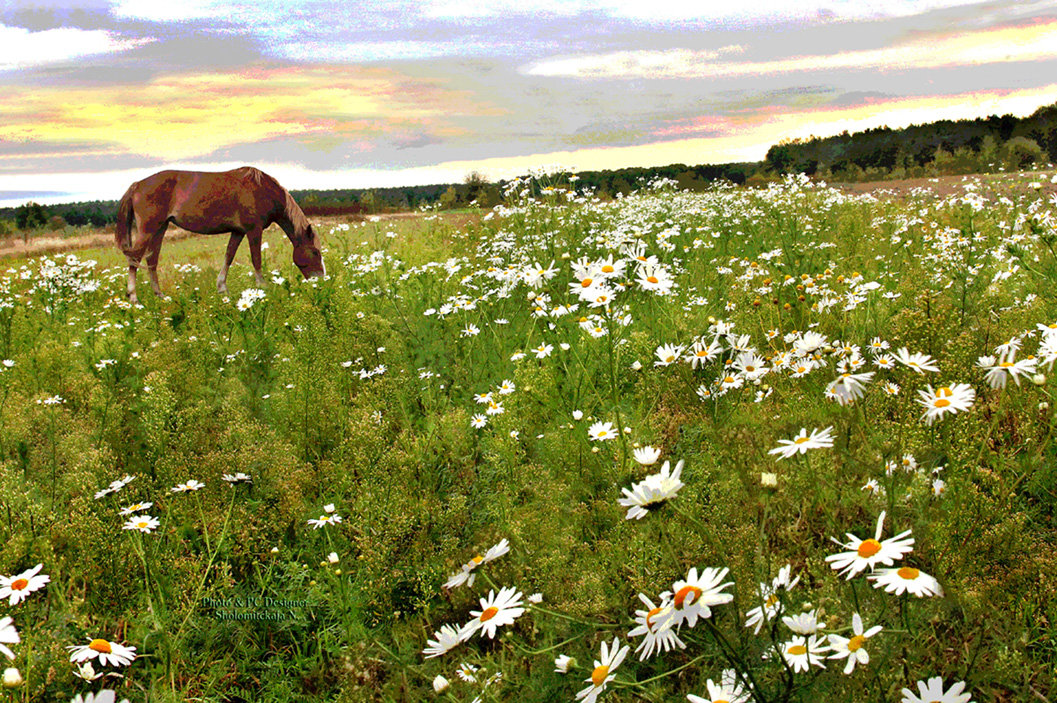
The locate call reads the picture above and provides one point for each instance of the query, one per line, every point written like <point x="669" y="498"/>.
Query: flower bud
<point x="12" y="678"/>
<point x="768" y="480"/>
<point x="1038" y="379"/>
<point x="440" y="684"/>
<point x="636" y="366"/>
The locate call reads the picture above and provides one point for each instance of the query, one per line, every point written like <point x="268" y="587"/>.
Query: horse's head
<point x="307" y="256"/>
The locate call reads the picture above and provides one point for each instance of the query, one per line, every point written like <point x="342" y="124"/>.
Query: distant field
<point x="783" y="444"/>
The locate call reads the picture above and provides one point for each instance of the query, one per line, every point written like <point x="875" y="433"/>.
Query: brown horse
<point x="242" y="202"/>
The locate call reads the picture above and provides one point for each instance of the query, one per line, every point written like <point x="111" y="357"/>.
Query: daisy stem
<point x="209" y="566"/>
<point x="205" y="529"/>
<point x="616" y="395"/>
<point x="532" y="652"/>
<point x="641" y="684"/>
<point x="742" y="669"/>
<point x="563" y="616"/>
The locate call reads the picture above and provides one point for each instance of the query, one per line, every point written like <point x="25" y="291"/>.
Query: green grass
<point x="198" y="388"/>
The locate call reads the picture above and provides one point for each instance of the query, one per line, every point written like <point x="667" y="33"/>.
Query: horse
<point x="242" y="202"/>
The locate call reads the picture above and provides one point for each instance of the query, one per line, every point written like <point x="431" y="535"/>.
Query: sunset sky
<point x="97" y="94"/>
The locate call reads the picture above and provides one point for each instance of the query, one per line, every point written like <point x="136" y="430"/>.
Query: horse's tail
<point x="123" y="233"/>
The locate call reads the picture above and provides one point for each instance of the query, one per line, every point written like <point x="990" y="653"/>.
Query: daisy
<point x="694" y="596"/>
<point x="848" y="387"/>
<point x="541" y="352"/>
<point x="802" y="442"/>
<point x="107" y="695"/>
<point x="647" y="456"/>
<point x="447" y="639"/>
<point x="650" y="493"/>
<point x="562" y="664"/>
<point x="601" y="431"/>
<point x="998" y="371"/>
<point x="917" y="362"/>
<point x="906" y="578"/>
<point x="143" y="523"/>
<point x="324" y="520"/>
<point x="466" y="575"/>
<point x="703" y="352"/>
<point x="237" y="478"/>
<point x="870" y="552"/>
<point x="108" y="653"/>
<point x="944" y="400"/>
<point x="801" y="652"/>
<point x="8" y="635"/>
<point x="191" y="485"/>
<point x="770" y="605"/>
<point x="933" y="692"/>
<point x="656" y="279"/>
<point x="135" y="508"/>
<point x="602" y="674"/>
<point x="802" y="623"/>
<point x="655" y="623"/>
<point x="667" y="354"/>
<point x="853" y="648"/>
<point x="496" y="610"/>
<point x="17" y="588"/>
<point x="729" y="690"/>
<point x="506" y="387"/>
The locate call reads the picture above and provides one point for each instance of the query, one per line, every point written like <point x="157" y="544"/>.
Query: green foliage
<point x="359" y="392"/>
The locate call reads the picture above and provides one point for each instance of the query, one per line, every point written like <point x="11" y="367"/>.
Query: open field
<point x="750" y="435"/>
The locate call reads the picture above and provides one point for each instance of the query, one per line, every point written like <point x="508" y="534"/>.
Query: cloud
<point x="155" y="11"/>
<point x="759" y="11"/>
<point x="21" y="48"/>
<point x="1034" y="42"/>
<point x="194" y="115"/>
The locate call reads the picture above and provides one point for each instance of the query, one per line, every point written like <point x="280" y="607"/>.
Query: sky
<point x="95" y="94"/>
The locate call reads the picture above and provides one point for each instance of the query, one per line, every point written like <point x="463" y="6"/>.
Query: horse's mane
<point x="295" y="213"/>
<point x="290" y="208"/>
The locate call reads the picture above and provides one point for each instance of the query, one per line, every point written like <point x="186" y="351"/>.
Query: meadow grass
<point x="456" y="410"/>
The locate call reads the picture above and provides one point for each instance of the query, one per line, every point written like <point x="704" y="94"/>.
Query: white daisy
<point x="650" y="493"/>
<point x="867" y="553"/>
<point x="853" y="648"/>
<point x="800" y="653"/>
<point x="17" y="588"/>
<point x="447" y="639"/>
<point x="906" y="578"/>
<point x="8" y="635"/>
<point x="802" y="442"/>
<point x="496" y="610"/>
<point x="933" y="692"/>
<point x="693" y="597"/>
<point x="602" y="674"/>
<point x="109" y="653"/>
<point x="655" y="626"/>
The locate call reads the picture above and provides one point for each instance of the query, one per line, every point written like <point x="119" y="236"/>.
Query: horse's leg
<point x="233" y="246"/>
<point x="254" y="237"/>
<point x="134" y="256"/>
<point x="153" y="250"/>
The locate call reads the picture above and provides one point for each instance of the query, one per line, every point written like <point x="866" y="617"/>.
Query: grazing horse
<point x="242" y="202"/>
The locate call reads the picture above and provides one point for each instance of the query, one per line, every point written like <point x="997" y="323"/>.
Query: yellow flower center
<point x="941" y="403"/>
<point x="19" y="584"/>
<point x="598" y="676"/>
<point x="1006" y="364"/>
<point x="477" y="559"/>
<point x="607" y="269"/>
<point x="750" y="368"/>
<point x="908" y="572"/>
<point x="651" y="279"/>
<point x="669" y="358"/>
<point x="649" y="615"/>
<point x="801" y="440"/>
<point x="489" y="613"/>
<point x="855" y="643"/>
<point x="797" y="649"/>
<point x="692" y="591"/>
<point x="728" y="379"/>
<point x="101" y="646"/>
<point x="771" y="601"/>
<point x="702" y="352"/>
<point x="586" y="282"/>
<point x="868" y="547"/>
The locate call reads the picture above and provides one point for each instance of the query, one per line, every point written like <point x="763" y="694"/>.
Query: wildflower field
<point x="774" y="444"/>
